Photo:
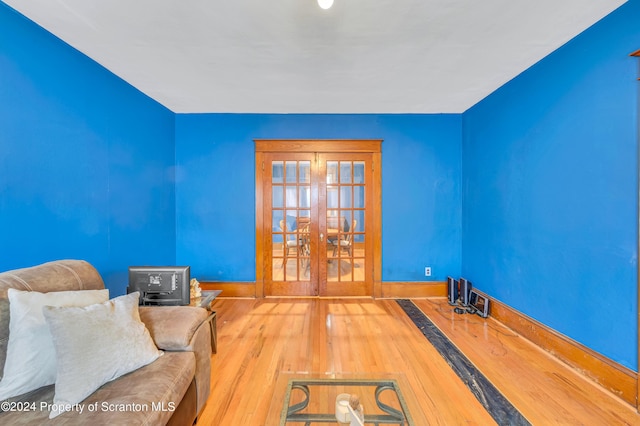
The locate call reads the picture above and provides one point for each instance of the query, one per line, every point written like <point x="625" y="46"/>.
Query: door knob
<point x="321" y="236"/>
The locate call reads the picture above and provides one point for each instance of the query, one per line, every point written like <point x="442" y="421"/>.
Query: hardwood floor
<point x="262" y="342"/>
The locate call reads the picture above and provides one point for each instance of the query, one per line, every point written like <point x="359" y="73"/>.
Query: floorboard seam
<point x="499" y="407"/>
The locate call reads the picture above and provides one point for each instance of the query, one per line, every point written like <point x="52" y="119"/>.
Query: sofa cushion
<point x="146" y="397"/>
<point x="96" y="344"/>
<point x="31" y="357"/>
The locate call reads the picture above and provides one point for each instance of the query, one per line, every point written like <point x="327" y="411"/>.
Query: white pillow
<point x="31" y="357"/>
<point x="96" y="344"/>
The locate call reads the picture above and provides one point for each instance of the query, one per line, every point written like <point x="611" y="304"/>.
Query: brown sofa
<point x="171" y="390"/>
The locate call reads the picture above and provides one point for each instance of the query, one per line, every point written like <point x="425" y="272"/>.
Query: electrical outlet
<point x="427" y="271"/>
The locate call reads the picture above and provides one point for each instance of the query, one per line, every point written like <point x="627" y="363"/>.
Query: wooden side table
<point x="205" y="302"/>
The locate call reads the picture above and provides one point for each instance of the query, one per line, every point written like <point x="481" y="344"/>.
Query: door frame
<point x="371" y="146"/>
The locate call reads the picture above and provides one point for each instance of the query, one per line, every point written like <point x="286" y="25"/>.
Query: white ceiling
<point x="290" y="56"/>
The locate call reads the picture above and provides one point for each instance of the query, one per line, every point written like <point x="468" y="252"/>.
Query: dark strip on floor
<point x="502" y="411"/>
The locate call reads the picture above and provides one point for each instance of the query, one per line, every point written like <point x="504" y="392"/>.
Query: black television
<point x="465" y="290"/>
<point x="161" y="285"/>
<point x="452" y="291"/>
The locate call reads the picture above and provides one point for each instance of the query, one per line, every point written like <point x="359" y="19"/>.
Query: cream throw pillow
<point x="31" y="357"/>
<point x="96" y="344"/>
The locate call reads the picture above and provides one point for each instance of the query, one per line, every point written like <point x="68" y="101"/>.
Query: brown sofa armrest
<point x="183" y="328"/>
<point x="172" y="327"/>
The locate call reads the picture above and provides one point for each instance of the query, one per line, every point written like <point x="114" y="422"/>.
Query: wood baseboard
<point x="402" y="290"/>
<point x="389" y="289"/>
<point x="231" y="289"/>
<point x="612" y="376"/>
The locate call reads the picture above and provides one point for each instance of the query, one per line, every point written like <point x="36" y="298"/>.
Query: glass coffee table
<point x="310" y="399"/>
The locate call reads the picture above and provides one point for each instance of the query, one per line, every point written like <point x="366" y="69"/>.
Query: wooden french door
<point x="318" y="220"/>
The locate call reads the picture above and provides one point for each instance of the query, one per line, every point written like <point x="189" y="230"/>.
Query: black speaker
<point x="479" y="303"/>
<point x="452" y="291"/>
<point x="465" y="289"/>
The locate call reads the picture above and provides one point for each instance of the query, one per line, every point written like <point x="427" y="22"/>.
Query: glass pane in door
<point x="332" y="172"/>
<point x="346" y="196"/>
<point x="345" y="171"/>
<point x="358" y="172"/>
<point x="305" y="172"/>
<point x="277" y="171"/>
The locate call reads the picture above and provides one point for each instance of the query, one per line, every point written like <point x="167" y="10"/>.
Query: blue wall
<point x="86" y="161"/>
<point x="550" y="189"/>
<point x="215" y="188"/>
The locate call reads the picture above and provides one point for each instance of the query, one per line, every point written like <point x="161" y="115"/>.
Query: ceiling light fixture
<point x="325" y="4"/>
